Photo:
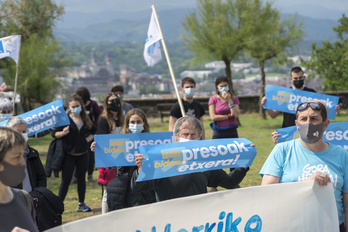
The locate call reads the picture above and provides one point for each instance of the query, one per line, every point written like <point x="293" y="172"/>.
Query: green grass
<point x="253" y="128"/>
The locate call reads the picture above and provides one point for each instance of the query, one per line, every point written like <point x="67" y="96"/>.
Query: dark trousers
<point x="225" y="134"/>
<point x="91" y="160"/>
<point x="69" y="164"/>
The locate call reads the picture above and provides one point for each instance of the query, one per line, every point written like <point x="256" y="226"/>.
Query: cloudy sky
<point x="136" y="5"/>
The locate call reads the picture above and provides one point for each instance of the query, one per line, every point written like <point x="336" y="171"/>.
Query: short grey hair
<point x="190" y="122"/>
<point x="13" y="121"/>
<point x="6" y="103"/>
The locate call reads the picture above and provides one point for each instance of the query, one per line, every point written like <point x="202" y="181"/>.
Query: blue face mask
<point x="76" y="110"/>
<point x="136" y="128"/>
<point x="226" y="88"/>
<point x="189" y="92"/>
<point x="4" y="117"/>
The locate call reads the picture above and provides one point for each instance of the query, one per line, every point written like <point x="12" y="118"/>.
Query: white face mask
<point x="25" y="135"/>
<point x="183" y="140"/>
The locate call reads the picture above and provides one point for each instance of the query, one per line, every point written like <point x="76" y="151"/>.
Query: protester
<point x="187" y="128"/>
<point x="75" y="138"/>
<point x="110" y="122"/>
<point x="118" y="90"/>
<point x="93" y="111"/>
<point x="6" y="108"/>
<point x="119" y="193"/>
<point x="35" y="172"/>
<point x="224" y="110"/>
<point x="310" y="158"/>
<point x="16" y="209"/>
<point x="191" y="106"/>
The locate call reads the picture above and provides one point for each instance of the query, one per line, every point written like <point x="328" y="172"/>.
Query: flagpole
<point x="169" y="63"/>
<point x="15" y="90"/>
<point x="16" y="79"/>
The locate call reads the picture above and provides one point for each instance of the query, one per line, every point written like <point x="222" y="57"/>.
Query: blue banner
<point x="114" y="150"/>
<point x="45" y="117"/>
<point x="195" y="156"/>
<point x="287" y="99"/>
<point x="336" y="133"/>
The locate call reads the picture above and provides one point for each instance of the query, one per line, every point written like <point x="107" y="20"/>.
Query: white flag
<point x="152" y="50"/>
<point x="9" y="47"/>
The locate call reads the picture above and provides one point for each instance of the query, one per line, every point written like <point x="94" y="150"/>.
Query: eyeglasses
<point x="315" y="106"/>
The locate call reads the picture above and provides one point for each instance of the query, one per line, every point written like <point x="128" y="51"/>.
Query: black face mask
<point x="115" y="105"/>
<point x="298" y="83"/>
<point x="12" y="175"/>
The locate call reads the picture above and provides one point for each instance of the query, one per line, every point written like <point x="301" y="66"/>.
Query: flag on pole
<point x="9" y="47"/>
<point x="152" y="50"/>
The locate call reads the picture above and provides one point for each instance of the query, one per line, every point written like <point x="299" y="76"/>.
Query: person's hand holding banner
<point x="195" y="156"/>
<point x="287" y="99"/>
<point x="113" y="150"/>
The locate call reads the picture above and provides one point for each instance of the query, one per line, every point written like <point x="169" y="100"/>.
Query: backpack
<point x="49" y="208"/>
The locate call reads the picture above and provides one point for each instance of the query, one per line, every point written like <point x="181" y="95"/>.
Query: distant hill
<point x="117" y="26"/>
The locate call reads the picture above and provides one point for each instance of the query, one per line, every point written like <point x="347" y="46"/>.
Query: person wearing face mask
<point x="119" y="194"/>
<point x="310" y="158"/>
<point x="186" y="129"/>
<point x="118" y="90"/>
<point x="6" y="108"/>
<point x="224" y="110"/>
<point x="192" y="107"/>
<point x="110" y="122"/>
<point x="75" y="139"/>
<point x="297" y="78"/>
<point x="15" y="215"/>
<point x="35" y="172"/>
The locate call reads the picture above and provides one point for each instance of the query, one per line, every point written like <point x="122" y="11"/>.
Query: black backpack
<point x="49" y="208"/>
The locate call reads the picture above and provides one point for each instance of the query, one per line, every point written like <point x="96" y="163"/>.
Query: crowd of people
<point x="21" y="168"/>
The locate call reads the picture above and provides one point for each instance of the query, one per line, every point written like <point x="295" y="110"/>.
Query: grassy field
<point x="253" y="128"/>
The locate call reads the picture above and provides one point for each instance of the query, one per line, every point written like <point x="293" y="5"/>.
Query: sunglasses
<point x="315" y="106"/>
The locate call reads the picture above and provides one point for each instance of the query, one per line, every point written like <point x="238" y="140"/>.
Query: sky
<point x="136" y="5"/>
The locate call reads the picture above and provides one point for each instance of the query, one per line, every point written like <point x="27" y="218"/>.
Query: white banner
<point x="10" y="46"/>
<point x="299" y="206"/>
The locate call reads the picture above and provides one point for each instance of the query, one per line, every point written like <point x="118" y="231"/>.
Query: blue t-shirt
<point x="292" y="162"/>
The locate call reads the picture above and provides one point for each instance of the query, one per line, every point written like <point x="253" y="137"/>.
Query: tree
<point x="273" y="38"/>
<point x="330" y="62"/>
<point x="219" y="30"/>
<point x="41" y="58"/>
<point x="39" y="63"/>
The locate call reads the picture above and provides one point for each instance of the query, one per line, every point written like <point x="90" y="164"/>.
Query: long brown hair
<point x="84" y="116"/>
<point x="222" y="79"/>
<point x="141" y="114"/>
<point x="108" y="114"/>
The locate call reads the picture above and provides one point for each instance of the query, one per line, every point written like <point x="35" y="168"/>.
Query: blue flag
<point x="287" y="99"/>
<point x="113" y="150"/>
<point x="336" y="133"/>
<point x="195" y="156"/>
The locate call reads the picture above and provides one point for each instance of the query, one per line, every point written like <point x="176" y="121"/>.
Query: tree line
<point x="229" y="30"/>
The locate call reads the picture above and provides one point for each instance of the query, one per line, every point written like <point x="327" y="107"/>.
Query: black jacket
<point x="55" y="156"/>
<point x="189" y="184"/>
<point x="75" y="142"/>
<point x="36" y="171"/>
<point x="120" y="195"/>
